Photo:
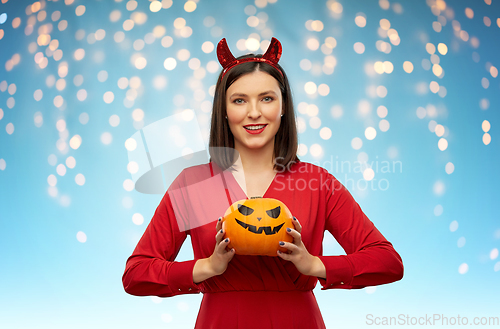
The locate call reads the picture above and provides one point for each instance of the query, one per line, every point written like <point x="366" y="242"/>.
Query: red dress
<point x="258" y="291"/>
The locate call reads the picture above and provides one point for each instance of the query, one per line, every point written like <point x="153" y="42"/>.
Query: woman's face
<point x="254" y="99"/>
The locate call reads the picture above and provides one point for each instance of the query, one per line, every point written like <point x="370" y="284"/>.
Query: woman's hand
<point x="221" y="256"/>
<point x="306" y="263"/>
<point x="216" y="264"/>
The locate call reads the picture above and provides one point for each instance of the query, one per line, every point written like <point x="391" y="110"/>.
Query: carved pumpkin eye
<point x="244" y="210"/>
<point x="274" y="213"/>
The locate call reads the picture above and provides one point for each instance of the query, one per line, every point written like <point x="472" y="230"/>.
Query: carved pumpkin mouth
<point x="266" y="229"/>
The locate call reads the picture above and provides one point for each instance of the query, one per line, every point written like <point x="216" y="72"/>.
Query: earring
<point x="226" y="116"/>
<point x="282" y="115"/>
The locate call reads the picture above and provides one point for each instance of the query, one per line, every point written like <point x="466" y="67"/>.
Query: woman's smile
<point x="255" y="129"/>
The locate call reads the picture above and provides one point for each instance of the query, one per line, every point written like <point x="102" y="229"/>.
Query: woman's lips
<point x="255" y="131"/>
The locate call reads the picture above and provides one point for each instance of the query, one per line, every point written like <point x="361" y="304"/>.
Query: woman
<point x="253" y="139"/>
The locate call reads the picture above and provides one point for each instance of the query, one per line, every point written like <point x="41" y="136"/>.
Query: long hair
<point x="221" y="144"/>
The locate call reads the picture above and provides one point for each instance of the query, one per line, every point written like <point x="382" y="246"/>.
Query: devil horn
<point x="273" y="52"/>
<point x="224" y="54"/>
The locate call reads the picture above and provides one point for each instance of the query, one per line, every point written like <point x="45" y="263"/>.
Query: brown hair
<point x="222" y="139"/>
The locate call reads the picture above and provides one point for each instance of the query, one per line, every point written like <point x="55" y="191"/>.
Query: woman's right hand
<point x="221" y="256"/>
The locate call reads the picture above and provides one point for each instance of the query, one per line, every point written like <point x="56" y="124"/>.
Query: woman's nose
<point x="254" y="110"/>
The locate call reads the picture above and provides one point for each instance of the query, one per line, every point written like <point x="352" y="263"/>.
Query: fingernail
<point x="282" y="243"/>
<point x="288" y="229"/>
<point x="226" y="240"/>
<point x="221" y="231"/>
<point x="294" y="218"/>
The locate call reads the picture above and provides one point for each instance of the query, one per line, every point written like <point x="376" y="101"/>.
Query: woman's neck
<point x="253" y="161"/>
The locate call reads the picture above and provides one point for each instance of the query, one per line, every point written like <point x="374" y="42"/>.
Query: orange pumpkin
<point x="256" y="226"/>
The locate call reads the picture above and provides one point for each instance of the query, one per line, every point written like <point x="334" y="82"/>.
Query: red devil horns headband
<point x="227" y="60"/>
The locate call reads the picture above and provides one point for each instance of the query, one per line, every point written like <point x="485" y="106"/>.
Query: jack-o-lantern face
<point x="256" y="226"/>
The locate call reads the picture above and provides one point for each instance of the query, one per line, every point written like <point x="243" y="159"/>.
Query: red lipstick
<point x="254" y="131"/>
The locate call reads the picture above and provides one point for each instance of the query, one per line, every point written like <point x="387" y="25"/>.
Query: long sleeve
<point x="371" y="259"/>
<point x="151" y="269"/>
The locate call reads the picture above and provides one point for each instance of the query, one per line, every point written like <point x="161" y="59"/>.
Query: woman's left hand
<point x="306" y="263"/>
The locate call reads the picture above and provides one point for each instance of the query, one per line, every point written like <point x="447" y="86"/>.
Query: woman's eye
<point x="268" y="99"/>
<point x="237" y="101"/>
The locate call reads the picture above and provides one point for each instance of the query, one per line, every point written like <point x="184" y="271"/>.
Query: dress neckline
<point x="234" y="181"/>
<point x="265" y="192"/>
